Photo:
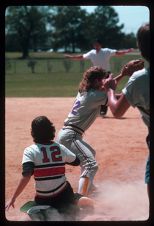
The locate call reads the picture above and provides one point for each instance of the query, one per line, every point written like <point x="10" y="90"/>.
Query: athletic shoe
<point x="103" y="111"/>
<point x="93" y="190"/>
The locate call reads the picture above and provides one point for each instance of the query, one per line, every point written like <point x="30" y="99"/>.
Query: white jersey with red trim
<point x="49" y="166"/>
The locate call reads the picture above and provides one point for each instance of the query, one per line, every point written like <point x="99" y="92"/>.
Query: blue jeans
<point x="147" y="171"/>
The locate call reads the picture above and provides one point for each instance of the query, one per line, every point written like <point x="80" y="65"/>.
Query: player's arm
<point x="117" y="106"/>
<point x="74" y="57"/>
<point x="122" y="52"/>
<point x="76" y="162"/>
<point x="27" y="172"/>
<point x="22" y="184"/>
<point x="129" y="69"/>
<point x="70" y="157"/>
<point x="118" y="95"/>
<point x="119" y="77"/>
<point x="120" y="105"/>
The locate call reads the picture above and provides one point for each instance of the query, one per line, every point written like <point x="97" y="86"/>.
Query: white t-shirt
<point x="49" y="166"/>
<point x="137" y="93"/>
<point x="102" y="58"/>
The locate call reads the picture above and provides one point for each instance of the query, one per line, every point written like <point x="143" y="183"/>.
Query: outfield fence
<point x="17" y="66"/>
<point x="44" y="66"/>
<point x="51" y="77"/>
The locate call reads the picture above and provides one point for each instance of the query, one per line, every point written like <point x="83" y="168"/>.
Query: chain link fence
<point x="64" y="65"/>
<point x="44" y="66"/>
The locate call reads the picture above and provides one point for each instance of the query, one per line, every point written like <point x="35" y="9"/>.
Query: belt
<point x="73" y="127"/>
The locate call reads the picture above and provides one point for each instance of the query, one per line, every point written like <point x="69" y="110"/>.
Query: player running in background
<point x="136" y="91"/>
<point x="86" y="108"/>
<point x="100" y="57"/>
<point x="46" y="159"/>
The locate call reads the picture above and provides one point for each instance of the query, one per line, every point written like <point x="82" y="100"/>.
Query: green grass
<point x="36" y="55"/>
<point x="21" y="82"/>
<point x="41" y="85"/>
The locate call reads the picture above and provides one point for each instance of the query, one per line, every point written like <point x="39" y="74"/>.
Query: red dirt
<point x="121" y="152"/>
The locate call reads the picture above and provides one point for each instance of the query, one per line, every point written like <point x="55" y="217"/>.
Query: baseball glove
<point x="132" y="66"/>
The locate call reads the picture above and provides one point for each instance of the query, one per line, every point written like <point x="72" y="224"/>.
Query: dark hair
<point x="143" y="40"/>
<point x="97" y="41"/>
<point x="42" y="130"/>
<point x="89" y="77"/>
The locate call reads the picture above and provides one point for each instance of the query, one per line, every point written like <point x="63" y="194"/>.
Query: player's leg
<point x="103" y="111"/>
<point x="147" y="171"/>
<point x="73" y="141"/>
<point x="89" y="166"/>
<point x="147" y="175"/>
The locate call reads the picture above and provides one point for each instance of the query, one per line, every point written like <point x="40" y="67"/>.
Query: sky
<point x="131" y="16"/>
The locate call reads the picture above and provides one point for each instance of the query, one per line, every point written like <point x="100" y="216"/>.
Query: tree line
<point x="68" y="27"/>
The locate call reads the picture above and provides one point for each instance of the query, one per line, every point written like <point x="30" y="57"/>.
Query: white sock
<point x="84" y="184"/>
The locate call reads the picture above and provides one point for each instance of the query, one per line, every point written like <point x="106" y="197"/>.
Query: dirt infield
<point x="121" y="153"/>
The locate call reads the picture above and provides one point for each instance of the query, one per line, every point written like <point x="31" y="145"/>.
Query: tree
<point x="74" y="28"/>
<point x="129" y="40"/>
<point x="105" y="27"/>
<point x="69" y="25"/>
<point x="28" y="25"/>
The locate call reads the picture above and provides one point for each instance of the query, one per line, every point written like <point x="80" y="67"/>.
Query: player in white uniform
<point x="46" y="159"/>
<point x="136" y="92"/>
<point x="83" y="113"/>
<point x="100" y="57"/>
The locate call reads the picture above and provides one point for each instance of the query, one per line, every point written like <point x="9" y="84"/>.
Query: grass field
<point x="52" y="76"/>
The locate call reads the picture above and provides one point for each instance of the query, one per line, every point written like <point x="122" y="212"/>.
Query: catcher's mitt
<point x="132" y="66"/>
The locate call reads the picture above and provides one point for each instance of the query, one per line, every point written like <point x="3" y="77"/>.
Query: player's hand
<point x="109" y="83"/>
<point x="9" y="204"/>
<point x="67" y="55"/>
<point x="130" y="50"/>
<point x="132" y="66"/>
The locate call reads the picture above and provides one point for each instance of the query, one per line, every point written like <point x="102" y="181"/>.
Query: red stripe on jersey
<point x="49" y="172"/>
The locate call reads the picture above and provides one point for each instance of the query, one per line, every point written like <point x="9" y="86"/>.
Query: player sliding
<point x="46" y="159"/>
<point x="86" y="108"/>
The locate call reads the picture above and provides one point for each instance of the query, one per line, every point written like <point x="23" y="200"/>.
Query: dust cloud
<point x="120" y="201"/>
<point x="114" y="201"/>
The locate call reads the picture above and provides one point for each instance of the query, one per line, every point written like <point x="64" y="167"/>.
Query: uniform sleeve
<point x="131" y="91"/>
<point x="27" y="168"/>
<point x="96" y="98"/>
<point x="111" y="52"/>
<point x="88" y="55"/>
<point x="68" y="155"/>
<point x="28" y="156"/>
<point x="27" y="162"/>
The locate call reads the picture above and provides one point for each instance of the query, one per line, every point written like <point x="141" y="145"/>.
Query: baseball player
<point x="85" y="109"/>
<point x="100" y="57"/>
<point x="45" y="160"/>
<point x="136" y="91"/>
